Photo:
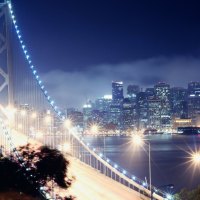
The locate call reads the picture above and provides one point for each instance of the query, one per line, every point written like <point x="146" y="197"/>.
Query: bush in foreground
<point x="42" y="165"/>
<point x="188" y="194"/>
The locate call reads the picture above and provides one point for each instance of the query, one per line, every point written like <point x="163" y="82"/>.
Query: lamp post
<point x="139" y="141"/>
<point x="195" y="158"/>
<point x="67" y="125"/>
<point x="94" y="129"/>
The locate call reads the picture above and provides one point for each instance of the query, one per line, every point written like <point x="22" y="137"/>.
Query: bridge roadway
<point x="89" y="184"/>
<point x="92" y="185"/>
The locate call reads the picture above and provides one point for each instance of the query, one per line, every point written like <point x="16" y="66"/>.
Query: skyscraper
<point x="87" y="114"/>
<point x="142" y="110"/>
<point x="103" y="105"/>
<point x="117" y="91"/>
<point x="128" y="114"/>
<point x="132" y="91"/>
<point x="162" y="92"/>
<point x="179" y="102"/>
<point x="154" y="113"/>
<point x="194" y="101"/>
<point x="116" y="106"/>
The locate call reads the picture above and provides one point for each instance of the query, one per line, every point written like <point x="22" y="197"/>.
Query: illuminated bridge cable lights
<point x="52" y="102"/>
<point x="27" y="57"/>
<point x="34" y="71"/>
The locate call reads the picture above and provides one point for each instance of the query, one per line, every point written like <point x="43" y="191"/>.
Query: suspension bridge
<point x="28" y="112"/>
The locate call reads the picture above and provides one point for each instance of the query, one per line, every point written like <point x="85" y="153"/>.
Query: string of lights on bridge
<point x="58" y="111"/>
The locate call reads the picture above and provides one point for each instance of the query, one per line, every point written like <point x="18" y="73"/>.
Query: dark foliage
<point x="43" y="164"/>
<point x="188" y="194"/>
<point x="52" y="164"/>
<point x="12" y="177"/>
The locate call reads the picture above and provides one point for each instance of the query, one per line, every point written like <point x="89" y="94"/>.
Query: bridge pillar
<point x="6" y="64"/>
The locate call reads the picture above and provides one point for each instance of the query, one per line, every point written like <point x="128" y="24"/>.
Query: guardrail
<point x="95" y="159"/>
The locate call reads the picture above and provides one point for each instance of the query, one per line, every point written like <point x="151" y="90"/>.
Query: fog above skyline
<point x="75" y="88"/>
<point x="80" y="47"/>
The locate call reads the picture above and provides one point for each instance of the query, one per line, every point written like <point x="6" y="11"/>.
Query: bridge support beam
<point x="6" y="66"/>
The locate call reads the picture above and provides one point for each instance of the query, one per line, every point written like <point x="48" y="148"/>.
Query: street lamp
<point x="38" y="135"/>
<point x="139" y="141"/>
<point x="94" y="129"/>
<point x="196" y="158"/>
<point x="23" y="113"/>
<point x="68" y="124"/>
<point x="34" y="115"/>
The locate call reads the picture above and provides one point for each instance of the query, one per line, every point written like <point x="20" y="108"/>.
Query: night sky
<point x="80" y="46"/>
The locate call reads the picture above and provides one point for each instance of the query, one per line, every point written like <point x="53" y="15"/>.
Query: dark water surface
<point x="169" y="154"/>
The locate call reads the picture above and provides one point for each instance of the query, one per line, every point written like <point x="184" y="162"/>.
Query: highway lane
<point x="89" y="184"/>
<point x="92" y="185"/>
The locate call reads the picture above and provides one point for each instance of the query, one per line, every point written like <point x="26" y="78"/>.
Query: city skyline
<point x="157" y="109"/>
<point x="125" y="91"/>
<point x="136" y="136"/>
<point x="138" y="42"/>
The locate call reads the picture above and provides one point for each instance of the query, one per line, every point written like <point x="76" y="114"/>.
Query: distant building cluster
<point x="160" y="108"/>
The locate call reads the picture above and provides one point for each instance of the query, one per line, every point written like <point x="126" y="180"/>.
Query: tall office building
<point x="87" y="115"/>
<point x="77" y="118"/>
<point x="116" y="106"/>
<point x="179" y="102"/>
<point x="132" y="91"/>
<point x="194" y="88"/>
<point x="116" y="114"/>
<point x="162" y="92"/>
<point x="128" y="115"/>
<point x="117" y="91"/>
<point x="194" y="102"/>
<point x="154" y="113"/>
<point x="142" y="110"/>
<point x="103" y="105"/>
<point x="150" y="93"/>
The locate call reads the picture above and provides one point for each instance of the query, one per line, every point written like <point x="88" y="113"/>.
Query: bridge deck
<point x="89" y="184"/>
<point x="92" y="185"/>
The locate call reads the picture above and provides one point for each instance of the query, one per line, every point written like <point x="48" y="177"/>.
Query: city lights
<point x="155" y="110"/>
<point x="94" y="129"/>
<point x="196" y="158"/>
<point x="34" y="115"/>
<point x="39" y="135"/>
<point x="47" y="119"/>
<point x="20" y="126"/>
<point x="10" y="112"/>
<point x="68" y="123"/>
<point x="23" y="113"/>
<point x="137" y="139"/>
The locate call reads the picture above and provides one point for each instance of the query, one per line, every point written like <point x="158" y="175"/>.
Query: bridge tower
<point x="6" y="61"/>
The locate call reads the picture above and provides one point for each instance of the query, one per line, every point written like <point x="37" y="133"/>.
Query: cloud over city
<point x="72" y="89"/>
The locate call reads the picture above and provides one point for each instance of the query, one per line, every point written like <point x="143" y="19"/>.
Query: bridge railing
<point x="95" y="159"/>
<point x="90" y="156"/>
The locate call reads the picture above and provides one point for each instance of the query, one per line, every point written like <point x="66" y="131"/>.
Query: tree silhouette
<point x="35" y="167"/>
